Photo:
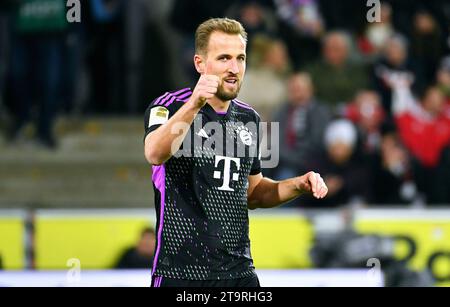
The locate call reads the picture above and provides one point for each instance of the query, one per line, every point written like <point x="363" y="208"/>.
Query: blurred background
<point x="366" y="104"/>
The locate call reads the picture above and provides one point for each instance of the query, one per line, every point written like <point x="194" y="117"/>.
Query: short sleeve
<point x="256" y="166"/>
<point x="157" y="114"/>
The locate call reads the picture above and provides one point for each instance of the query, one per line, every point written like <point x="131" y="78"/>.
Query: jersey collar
<point x="209" y="110"/>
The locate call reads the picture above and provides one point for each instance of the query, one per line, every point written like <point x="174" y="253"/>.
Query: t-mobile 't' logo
<point x="227" y="172"/>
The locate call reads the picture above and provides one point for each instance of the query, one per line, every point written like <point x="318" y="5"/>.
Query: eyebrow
<point x="229" y="56"/>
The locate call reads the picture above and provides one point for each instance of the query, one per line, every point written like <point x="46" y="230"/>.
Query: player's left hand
<point x="312" y="183"/>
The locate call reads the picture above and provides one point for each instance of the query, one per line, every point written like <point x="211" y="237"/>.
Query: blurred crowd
<point x="366" y="104"/>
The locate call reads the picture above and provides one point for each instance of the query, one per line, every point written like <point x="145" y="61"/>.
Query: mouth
<point x="232" y="82"/>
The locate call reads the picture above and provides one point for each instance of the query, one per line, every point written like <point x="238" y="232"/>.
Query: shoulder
<point x="169" y="102"/>
<point x="315" y="67"/>
<point x="169" y="98"/>
<point x="318" y="106"/>
<point x="246" y="108"/>
<point x="447" y="111"/>
<point x="128" y="252"/>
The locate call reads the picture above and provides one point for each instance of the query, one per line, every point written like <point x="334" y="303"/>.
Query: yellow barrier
<point x="429" y="236"/>
<point x="278" y="241"/>
<point x="281" y="242"/>
<point x="95" y="242"/>
<point x="12" y="239"/>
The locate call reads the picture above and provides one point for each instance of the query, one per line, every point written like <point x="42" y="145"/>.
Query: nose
<point x="233" y="68"/>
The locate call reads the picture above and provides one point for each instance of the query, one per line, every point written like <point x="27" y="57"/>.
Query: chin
<point x="225" y="96"/>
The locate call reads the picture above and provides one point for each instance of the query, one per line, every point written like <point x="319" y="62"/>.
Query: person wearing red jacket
<point x="424" y="128"/>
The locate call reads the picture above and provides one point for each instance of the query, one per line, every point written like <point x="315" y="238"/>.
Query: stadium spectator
<point x="4" y="42"/>
<point x="302" y="121"/>
<point x="345" y="173"/>
<point x="392" y="177"/>
<point x="268" y="68"/>
<point x="426" y="44"/>
<point x="443" y="78"/>
<point x="301" y="26"/>
<point x="377" y="33"/>
<point x="394" y="61"/>
<point x="257" y="17"/>
<point x="366" y="112"/>
<point x="36" y="66"/>
<point x="156" y="51"/>
<point x="443" y="173"/>
<point x="105" y="58"/>
<point x="335" y="78"/>
<point x="349" y="15"/>
<point x="304" y="16"/>
<point x="5" y="8"/>
<point x="141" y="255"/>
<point x="424" y="128"/>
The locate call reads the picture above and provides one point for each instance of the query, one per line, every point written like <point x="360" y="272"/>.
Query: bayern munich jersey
<point x="201" y="192"/>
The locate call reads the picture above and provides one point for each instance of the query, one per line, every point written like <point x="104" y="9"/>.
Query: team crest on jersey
<point x="245" y="135"/>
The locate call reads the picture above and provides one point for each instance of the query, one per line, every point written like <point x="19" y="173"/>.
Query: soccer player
<point x="202" y="200"/>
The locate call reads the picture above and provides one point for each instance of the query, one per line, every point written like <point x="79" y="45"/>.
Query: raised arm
<point x="402" y="98"/>
<point x="267" y="193"/>
<point x="162" y="143"/>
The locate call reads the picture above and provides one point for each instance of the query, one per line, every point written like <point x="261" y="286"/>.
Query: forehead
<point x="220" y="42"/>
<point x="335" y="41"/>
<point x="368" y="97"/>
<point x="434" y="92"/>
<point x="299" y="80"/>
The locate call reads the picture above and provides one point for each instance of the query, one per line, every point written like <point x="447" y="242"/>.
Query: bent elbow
<point x="153" y="158"/>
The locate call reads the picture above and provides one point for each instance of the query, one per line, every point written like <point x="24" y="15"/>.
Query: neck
<point x="433" y="113"/>
<point x="302" y="103"/>
<point x="219" y="105"/>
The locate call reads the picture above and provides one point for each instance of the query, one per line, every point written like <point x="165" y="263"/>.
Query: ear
<point x="200" y="64"/>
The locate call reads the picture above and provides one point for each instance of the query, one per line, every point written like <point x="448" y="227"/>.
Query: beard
<point x="225" y="95"/>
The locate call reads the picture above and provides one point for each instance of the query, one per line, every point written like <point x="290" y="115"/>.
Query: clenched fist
<point x="205" y="89"/>
<point x="312" y="183"/>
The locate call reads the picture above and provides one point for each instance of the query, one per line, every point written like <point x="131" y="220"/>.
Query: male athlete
<point x="202" y="200"/>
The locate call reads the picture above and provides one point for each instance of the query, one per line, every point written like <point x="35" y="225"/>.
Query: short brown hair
<point x="225" y="25"/>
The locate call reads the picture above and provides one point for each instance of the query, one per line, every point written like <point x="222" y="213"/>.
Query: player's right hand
<point x="205" y="89"/>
